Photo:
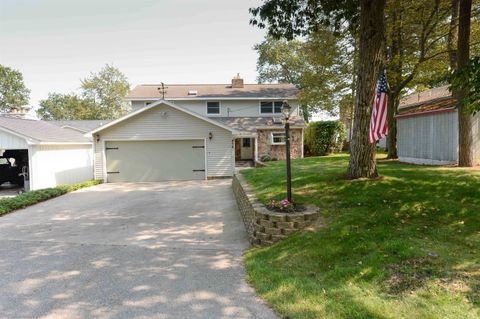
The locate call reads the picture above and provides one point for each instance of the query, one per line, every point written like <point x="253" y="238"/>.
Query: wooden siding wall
<point x="10" y="141"/>
<point x="164" y="123"/>
<point x="428" y="139"/>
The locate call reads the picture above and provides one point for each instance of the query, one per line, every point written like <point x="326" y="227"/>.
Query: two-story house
<point x="196" y="131"/>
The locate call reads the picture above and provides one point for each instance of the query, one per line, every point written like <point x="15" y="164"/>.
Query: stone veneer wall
<point x="278" y="151"/>
<point x="265" y="227"/>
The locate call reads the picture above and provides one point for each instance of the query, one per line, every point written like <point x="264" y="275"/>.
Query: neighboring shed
<point x="162" y="141"/>
<point x="427" y="129"/>
<point x="53" y="155"/>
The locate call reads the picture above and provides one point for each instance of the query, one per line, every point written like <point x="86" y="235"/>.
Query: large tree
<point x="67" y="107"/>
<point x="13" y="92"/>
<point x="285" y="18"/>
<point x="465" y="138"/>
<point x="320" y="66"/>
<point x="107" y="89"/>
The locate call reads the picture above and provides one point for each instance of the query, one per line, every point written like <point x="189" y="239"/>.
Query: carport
<point x="44" y="154"/>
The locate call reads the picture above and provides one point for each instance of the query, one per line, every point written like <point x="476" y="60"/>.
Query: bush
<point x="267" y="158"/>
<point x="8" y="205"/>
<point x="324" y="137"/>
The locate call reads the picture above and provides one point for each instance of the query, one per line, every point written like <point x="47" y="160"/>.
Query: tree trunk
<point x="362" y="157"/>
<point x="392" y="103"/>
<point x="452" y="35"/>
<point x="465" y="138"/>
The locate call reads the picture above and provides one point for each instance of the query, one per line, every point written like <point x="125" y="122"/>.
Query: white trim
<point x="27" y="139"/>
<point x="277" y="127"/>
<point x="213" y="97"/>
<point x="75" y="128"/>
<point x="64" y="143"/>
<point x="302" y="152"/>
<point x="213" y="114"/>
<point x="256" y="149"/>
<point x="160" y="102"/>
<point x="424" y="161"/>
<point x="105" y="179"/>
<point x="276" y="143"/>
<point x="273" y="108"/>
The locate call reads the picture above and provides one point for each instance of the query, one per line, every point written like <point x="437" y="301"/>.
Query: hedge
<point x="324" y="137"/>
<point x="8" y="205"/>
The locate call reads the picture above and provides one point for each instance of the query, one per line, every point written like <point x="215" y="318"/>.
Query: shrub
<point x="324" y="137"/>
<point x="267" y="158"/>
<point x="8" y="205"/>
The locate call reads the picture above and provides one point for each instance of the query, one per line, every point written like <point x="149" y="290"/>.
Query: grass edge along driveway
<point x="8" y="205"/>
<point x="406" y="245"/>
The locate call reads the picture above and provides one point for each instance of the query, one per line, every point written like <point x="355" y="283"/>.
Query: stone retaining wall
<point x="263" y="226"/>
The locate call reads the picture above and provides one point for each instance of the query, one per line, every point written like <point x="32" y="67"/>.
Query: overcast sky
<point x="55" y="43"/>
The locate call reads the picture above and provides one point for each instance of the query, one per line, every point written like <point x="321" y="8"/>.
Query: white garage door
<point x="154" y="161"/>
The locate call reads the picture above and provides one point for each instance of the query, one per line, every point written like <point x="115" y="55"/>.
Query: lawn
<point x="406" y="245"/>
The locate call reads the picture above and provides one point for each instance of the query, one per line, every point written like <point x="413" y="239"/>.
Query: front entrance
<point x="244" y="149"/>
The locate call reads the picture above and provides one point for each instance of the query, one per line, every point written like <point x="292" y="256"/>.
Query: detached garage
<point x="163" y="142"/>
<point x="44" y="154"/>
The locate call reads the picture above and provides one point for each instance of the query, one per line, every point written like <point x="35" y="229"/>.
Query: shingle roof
<point x="246" y="125"/>
<point x="178" y="91"/>
<point x="83" y="125"/>
<point x="442" y="103"/>
<point x="425" y="96"/>
<point x="41" y="131"/>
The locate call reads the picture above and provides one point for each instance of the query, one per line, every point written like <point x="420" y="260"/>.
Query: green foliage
<point x="102" y="97"/>
<point x="8" y="205"/>
<point x="13" y="92"/>
<point x="107" y="89"/>
<point x="324" y="137"/>
<point x="400" y="242"/>
<point x="67" y="107"/>
<point x="467" y="79"/>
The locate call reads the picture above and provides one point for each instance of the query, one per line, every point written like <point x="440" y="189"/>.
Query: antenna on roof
<point x="162" y="90"/>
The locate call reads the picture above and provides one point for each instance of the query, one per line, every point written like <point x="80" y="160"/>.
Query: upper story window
<point x="271" y="107"/>
<point x="213" y="107"/>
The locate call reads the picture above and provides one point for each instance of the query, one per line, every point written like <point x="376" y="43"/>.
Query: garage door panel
<point x="152" y="161"/>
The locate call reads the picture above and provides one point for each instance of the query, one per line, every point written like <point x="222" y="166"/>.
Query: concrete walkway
<point x="152" y="250"/>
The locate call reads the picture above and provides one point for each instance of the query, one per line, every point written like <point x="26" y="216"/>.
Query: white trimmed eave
<point x="223" y="98"/>
<point x="155" y="104"/>
<point x="28" y="139"/>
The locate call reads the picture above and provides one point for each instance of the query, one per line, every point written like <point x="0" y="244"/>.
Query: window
<point x="213" y="107"/>
<point x="271" y="107"/>
<point x="246" y="142"/>
<point x="278" y="138"/>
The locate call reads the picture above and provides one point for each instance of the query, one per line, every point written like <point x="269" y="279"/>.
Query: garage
<point x="154" y="161"/>
<point x="162" y="142"/>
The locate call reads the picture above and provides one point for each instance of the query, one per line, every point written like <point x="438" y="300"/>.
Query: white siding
<point x="228" y="108"/>
<point x="10" y="141"/>
<point x="166" y="123"/>
<point x="428" y="139"/>
<point x="53" y="165"/>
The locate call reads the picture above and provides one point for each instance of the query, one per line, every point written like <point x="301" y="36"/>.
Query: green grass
<point x="8" y="205"/>
<point x="406" y="245"/>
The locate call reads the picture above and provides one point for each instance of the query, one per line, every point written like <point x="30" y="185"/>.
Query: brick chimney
<point x="237" y="82"/>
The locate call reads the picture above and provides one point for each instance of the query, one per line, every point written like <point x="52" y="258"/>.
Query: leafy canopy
<point x="467" y="79"/>
<point x="13" y="92"/>
<point x="68" y="107"/>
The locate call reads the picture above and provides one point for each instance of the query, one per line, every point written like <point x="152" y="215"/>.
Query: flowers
<point x="283" y="205"/>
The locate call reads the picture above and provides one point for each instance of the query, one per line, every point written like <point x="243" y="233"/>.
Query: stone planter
<point x="263" y="226"/>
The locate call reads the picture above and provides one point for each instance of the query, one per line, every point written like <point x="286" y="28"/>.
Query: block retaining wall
<point x="263" y="226"/>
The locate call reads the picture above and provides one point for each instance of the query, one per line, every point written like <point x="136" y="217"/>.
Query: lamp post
<point x="286" y="110"/>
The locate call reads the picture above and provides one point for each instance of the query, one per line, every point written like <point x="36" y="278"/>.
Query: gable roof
<point x="80" y="125"/>
<point x="214" y="91"/>
<point x="41" y="132"/>
<point x="155" y="104"/>
<point x="432" y="94"/>
<point x="432" y="101"/>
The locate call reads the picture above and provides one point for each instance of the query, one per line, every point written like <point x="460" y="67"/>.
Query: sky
<point x="55" y="43"/>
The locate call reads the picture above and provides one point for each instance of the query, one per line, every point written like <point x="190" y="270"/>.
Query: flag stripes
<point x="378" y="123"/>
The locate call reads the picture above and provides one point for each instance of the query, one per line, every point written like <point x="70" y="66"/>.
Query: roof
<point x="425" y="96"/>
<point x="41" y="131"/>
<point x="206" y="91"/>
<point x="155" y="104"/>
<point x="248" y="125"/>
<point x="81" y="125"/>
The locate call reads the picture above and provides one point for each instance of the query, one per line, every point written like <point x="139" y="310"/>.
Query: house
<point x="427" y="129"/>
<point x="49" y="154"/>
<point x="195" y="131"/>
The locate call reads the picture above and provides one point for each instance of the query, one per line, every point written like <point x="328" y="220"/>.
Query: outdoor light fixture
<point x="210" y="135"/>
<point x="286" y="111"/>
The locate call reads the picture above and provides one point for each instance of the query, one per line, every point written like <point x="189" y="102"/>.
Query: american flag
<point x="378" y="122"/>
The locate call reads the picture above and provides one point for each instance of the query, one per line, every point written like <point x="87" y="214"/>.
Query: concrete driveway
<point x="148" y="250"/>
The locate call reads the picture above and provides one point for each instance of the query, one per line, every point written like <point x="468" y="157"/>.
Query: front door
<point x="246" y="150"/>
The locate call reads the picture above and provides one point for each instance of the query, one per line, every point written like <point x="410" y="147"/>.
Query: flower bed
<point x="265" y="227"/>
